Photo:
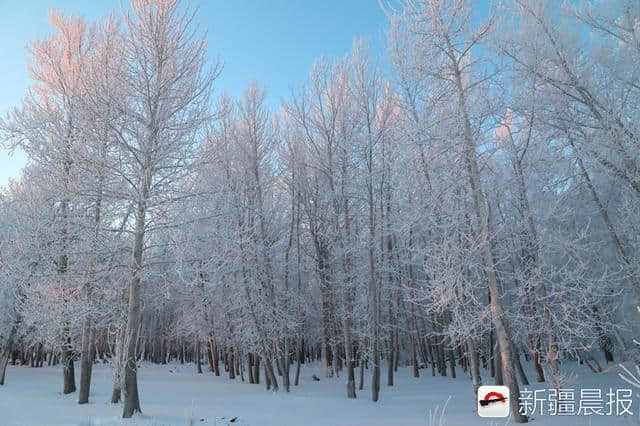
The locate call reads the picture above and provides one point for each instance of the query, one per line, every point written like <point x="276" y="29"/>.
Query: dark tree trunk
<point x="537" y="366"/>
<point x="391" y="360"/>
<point x="256" y="368"/>
<point x="286" y="382"/>
<point x="232" y="372"/>
<point x="7" y="351"/>
<point x="414" y="358"/>
<point x="115" y="395"/>
<point x="250" y="368"/>
<point x="361" y="384"/>
<point x="430" y="353"/>
<point x="300" y="360"/>
<point x="198" y="358"/>
<point x="452" y="363"/>
<point x="210" y="358"/>
<point x="497" y="360"/>
<point x="351" y="378"/>
<point x="476" y="379"/>
<point x="268" y="369"/>
<point x="516" y="358"/>
<point x="86" y="362"/>
<point x="68" y="368"/>
<point x="214" y="353"/>
<point x="39" y="355"/>
<point x="492" y="364"/>
<point x="442" y="364"/>
<point x="4" y="360"/>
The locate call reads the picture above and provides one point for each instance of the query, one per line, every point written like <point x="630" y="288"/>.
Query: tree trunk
<point x="68" y="370"/>
<point x="348" y="304"/>
<point x="7" y="350"/>
<point x="482" y="219"/>
<point x="250" y="368"/>
<point x="430" y="354"/>
<point x="498" y="363"/>
<point x="198" y="358"/>
<point x="414" y="357"/>
<point x="476" y="379"/>
<point x="351" y="380"/>
<point x="391" y="360"/>
<point x="373" y="286"/>
<point x="131" y="398"/>
<point x="535" y="355"/>
<point x="4" y="361"/>
<point x="452" y="363"/>
<point x="361" y="385"/>
<point x="523" y="376"/>
<point x="269" y="373"/>
<point x="214" y="353"/>
<point x="256" y="368"/>
<point x="86" y="361"/>
<point x="442" y="364"/>
<point x="230" y="361"/>
<point x="210" y="357"/>
<point x="286" y="382"/>
<point x="118" y="368"/>
<point x="300" y="357"/>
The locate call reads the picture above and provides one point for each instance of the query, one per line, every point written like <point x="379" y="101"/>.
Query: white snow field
<point x="176" y="395"/>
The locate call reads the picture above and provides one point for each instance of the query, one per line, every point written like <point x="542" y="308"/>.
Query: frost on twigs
<point x="629" y="377"/>
<point x="436" y="416"/>
<point x="567" y="379"/>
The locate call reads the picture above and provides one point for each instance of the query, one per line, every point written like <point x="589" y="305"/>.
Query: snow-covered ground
<point x="176" y="395"/>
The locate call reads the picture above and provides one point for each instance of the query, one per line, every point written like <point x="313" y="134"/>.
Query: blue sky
<point x="271" y="41"/>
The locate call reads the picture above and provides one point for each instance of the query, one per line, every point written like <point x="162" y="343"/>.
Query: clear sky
<point x="271" y="41"/>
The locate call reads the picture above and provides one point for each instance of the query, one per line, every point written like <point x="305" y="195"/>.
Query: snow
<point x="176" y="395"/>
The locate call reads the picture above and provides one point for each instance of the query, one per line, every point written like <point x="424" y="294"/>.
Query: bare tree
<point x="167" y="85"/>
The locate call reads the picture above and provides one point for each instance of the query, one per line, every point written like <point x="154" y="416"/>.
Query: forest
<point x="465" y="206"/>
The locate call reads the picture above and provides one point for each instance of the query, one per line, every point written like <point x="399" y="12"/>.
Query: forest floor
<point x="175" y="395"/>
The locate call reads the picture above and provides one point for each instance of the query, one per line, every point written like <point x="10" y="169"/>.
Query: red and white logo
<point x="493" y="401"/>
